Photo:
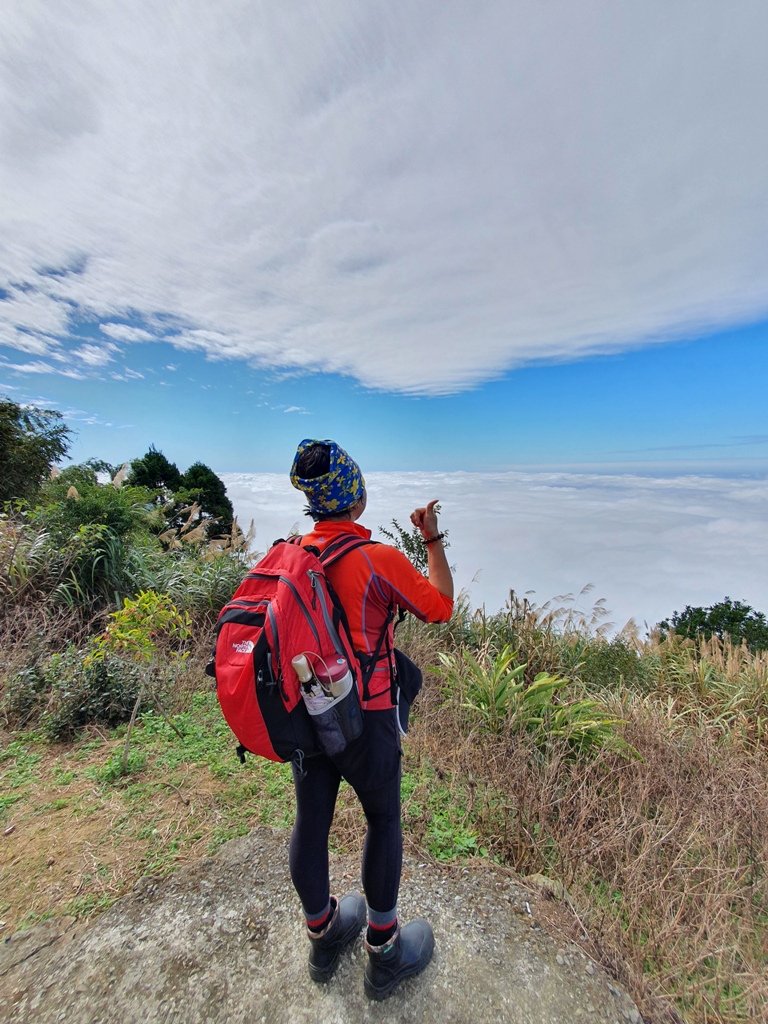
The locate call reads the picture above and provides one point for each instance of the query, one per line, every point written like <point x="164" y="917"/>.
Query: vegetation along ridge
<point x="628" y="770"/>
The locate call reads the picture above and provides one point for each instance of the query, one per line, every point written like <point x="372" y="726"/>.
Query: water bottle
<point x="330" y="696"/>
<point x="301" y="668"/>
<point x="334" y="676"/>
<point x="313" y="694"/>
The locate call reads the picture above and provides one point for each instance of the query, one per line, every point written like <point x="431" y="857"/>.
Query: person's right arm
<point x="429" y="598"/>
<point x="439" y="572"/>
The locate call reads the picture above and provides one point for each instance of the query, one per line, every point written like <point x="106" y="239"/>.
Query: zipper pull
<point x="313" y="581"/>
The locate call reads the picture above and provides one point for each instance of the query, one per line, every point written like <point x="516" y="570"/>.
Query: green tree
<point x="732" y="619"/>
<point x="31" y="440"/>
<point x="153" y="470"/>
<point x="201" y="484"/>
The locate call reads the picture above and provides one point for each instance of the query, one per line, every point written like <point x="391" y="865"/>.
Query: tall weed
<point x="494" y="690"/>
<point x="716" y="683"/>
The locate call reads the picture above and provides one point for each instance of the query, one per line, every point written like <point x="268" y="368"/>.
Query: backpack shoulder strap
<point x="337" y="549"/>
<point x="332" y="553"/>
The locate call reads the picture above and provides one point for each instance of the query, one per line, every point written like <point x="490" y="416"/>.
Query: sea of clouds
<point x="648" y="545"/>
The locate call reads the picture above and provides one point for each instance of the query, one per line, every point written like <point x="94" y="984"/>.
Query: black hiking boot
<point x="327" y="946"/>
<point x="407" y="953"/>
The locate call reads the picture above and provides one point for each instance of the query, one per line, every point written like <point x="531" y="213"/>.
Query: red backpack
<point x="284" y="608"/>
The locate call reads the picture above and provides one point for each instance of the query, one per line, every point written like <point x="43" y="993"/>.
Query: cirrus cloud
<point x="419" y="196"/>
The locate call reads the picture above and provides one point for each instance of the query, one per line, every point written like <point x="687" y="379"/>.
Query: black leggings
<point x="371" y="765"/>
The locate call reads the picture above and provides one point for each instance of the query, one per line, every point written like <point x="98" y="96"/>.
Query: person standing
<point x="371" y="581"/>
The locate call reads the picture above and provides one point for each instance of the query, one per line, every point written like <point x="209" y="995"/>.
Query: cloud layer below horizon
<point x="648" y="545"/>
<point x="420" y="196"/>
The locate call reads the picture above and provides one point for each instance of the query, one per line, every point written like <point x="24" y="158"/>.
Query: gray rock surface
<point x="223" y="940"/>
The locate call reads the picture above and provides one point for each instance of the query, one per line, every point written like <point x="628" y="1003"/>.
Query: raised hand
<point x="425" y="519"/>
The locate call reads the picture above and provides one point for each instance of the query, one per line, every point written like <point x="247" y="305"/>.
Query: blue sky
<point x="489" y="236"/>
<point x="687" y="406"/>
<point x="458" y="235"/>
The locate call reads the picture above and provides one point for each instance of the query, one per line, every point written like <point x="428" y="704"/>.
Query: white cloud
<point x="35" y="310"/>
<point x="124" y="332"/>
<point x="90" y="419"/>
<point x="25" y="341"/>
<point x="96" y="355"/>
<point x="649" y="545"/>
<point x="39" y="366"/>
<point x="296" y="408"/>
<point x="128" y="375"/>
<point x="420" y="195"/>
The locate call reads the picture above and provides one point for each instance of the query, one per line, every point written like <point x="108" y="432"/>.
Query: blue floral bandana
<point x="341" y="487"/>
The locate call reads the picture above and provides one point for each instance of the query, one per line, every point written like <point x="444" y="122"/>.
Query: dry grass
<point x="720" y="684"/>
<point x="664" y="856"/>
<point x="77" y="846"/>
<point x="30" y="632"/>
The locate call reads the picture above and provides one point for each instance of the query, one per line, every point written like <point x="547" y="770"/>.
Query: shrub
<point x="411" y="543"/>
<point x="202" y="485"/>
<point x="195" y="582"/>
<point x="611" y="664"/>
<point x="72" y="550"/>
<point x="82" y="569"/>
<point x="23" y="696"/>
<point x="140" y="627"/>
<point x="65" y="507"/>
<point x="80" y="693"/>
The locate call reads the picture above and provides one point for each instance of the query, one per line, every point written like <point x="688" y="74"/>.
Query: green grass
<point x="59" y="804"/>
<point x="177" y="797"/>
<point x="159" y="759"/>
<point x="84" y="906"/>
<point x="116" y="767"/>
<point x="8" y="800"/>
<point x="440" y="807"/>
<point x="19" y="763"/>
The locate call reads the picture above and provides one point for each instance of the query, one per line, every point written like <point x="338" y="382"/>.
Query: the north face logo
<point x="244" y="647"/>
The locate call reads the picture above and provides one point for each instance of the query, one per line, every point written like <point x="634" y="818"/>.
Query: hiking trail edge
<point x="223" y="940"/>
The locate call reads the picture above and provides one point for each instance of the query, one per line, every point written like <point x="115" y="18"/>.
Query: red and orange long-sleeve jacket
<point x="370" y="582"/>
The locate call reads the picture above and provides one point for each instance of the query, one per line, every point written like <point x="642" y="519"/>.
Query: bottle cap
<point x="331" y="670"/>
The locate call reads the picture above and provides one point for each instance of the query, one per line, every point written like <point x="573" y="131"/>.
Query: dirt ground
<point x="222" y="940"/>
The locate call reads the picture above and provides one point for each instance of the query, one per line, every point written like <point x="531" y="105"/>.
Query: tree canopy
<point x="732" y="619"/>
<point x="198" y="485"/>
<point x="31" y="440"/>
<point x="155" y="471"/>
<point x="202" y="485"/>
